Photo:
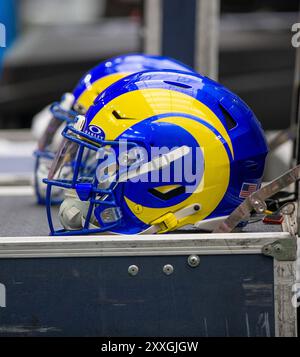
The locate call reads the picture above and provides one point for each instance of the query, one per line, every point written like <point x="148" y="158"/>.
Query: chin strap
<point x="169" y="221"/>
<point x="72" y="215"/>
<point x="257" y="199"/>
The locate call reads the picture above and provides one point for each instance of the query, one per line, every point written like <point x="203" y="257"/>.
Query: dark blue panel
<point x="179" y="22"/>
<point x="225" y="295"/>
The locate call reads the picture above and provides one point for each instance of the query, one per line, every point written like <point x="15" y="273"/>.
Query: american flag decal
<point x="247" y="189"/>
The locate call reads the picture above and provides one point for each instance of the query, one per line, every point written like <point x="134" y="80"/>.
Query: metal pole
<point x="295" y="108"/>
<point x="296" y="122"/>
<point x="153" y="26"/>
<point x="185" y="30"/>
<point x="207" y="39"/>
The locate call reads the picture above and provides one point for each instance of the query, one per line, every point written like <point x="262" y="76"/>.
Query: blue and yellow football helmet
<point x="172" y="150"/>
<point x="54" y="119"/>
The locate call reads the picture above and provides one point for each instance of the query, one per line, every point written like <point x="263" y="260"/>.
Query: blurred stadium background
<point x="52" y="43"/>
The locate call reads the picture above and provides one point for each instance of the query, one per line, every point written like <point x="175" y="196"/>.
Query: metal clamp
<point x="257" y="200"/>
<point x="282" y="249"/>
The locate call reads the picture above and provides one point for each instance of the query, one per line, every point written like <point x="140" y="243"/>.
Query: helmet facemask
<point x="49" y="143"/>
<point x="87" y="170"/>
<point x="100" y="171"/>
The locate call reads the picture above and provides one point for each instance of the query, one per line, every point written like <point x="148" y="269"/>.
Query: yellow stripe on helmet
<point x="87" y="98"/>
<point x="144" y="103"/>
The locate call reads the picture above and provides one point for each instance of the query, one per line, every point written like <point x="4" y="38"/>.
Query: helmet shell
<point x="172" y="108"/>
<point x="110" y="71"/>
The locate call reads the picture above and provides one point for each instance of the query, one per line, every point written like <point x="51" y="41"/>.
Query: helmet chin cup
<point x="71" y="212"/>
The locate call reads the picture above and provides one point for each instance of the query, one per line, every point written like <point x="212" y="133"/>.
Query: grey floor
<point x="21" y="217"/>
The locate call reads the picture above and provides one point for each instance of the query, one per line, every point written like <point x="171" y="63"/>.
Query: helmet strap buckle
<point x="170" y="221"/>
<point x="166" y="223"/>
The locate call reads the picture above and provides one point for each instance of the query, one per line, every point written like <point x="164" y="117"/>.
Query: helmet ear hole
<point x="118" y="116"/>
<point x="231" y="123"/>
<point x="178" y="84"/>
<point x="165" y="194"/>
